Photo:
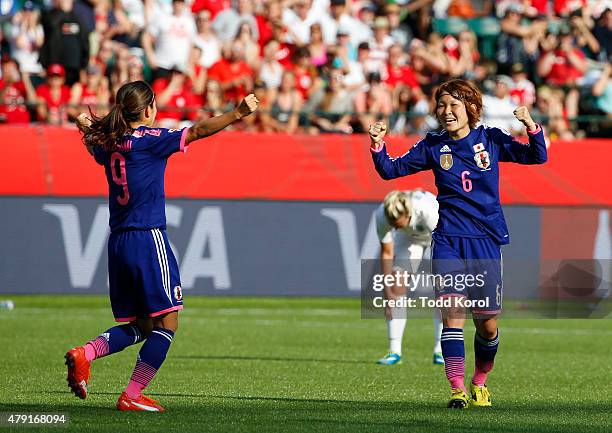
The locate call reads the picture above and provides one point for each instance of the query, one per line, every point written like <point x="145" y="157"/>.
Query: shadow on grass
<point x="269" y="358"/>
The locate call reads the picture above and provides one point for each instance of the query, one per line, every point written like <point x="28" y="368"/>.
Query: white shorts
<point x="408" y="255"/>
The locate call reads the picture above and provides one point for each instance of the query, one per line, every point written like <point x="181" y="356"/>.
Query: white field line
<point x="373" y="324"/>
<point x="238" y="315"/>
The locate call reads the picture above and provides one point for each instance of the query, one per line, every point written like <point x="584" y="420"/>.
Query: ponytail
<point x="108" y="131"/>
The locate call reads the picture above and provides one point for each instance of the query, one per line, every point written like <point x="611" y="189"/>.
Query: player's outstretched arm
<point x="83" y="122"/>
<point x="535" y="152"/>
<point x="390" y="168"/>
<point x="215" y="124"/>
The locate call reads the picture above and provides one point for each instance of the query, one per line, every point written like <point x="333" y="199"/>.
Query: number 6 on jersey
<point x="466" y="181"/>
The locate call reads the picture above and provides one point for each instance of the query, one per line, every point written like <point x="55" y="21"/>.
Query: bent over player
<point x="404" y="222"/>
<point x="465" y="160"/>
<point x="145" y="286"/>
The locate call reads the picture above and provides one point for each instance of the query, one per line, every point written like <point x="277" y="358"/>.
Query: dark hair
<point x="108" y="131"/>
<point x="374" y="78"/>
<point x="467" y="93"/>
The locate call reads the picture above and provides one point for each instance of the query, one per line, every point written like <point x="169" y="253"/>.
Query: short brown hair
<point x="466" y="92"/>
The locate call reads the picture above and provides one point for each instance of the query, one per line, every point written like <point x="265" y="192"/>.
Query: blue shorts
<point x="471" y="267"/>
<point x="143" y="275"/>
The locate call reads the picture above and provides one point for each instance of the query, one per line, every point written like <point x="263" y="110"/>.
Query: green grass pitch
<point x="303" y="365"/>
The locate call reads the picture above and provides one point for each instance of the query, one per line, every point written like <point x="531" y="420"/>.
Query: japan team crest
<point x="446" y="161"/>
<point x="178" y="293"/>
<point x="482" y="160"/>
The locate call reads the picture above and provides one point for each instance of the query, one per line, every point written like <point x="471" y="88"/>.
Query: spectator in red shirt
<point x="564" y="8"/>
<point x="91" y="94"/>
<point x="14" y="94"/>
<point x="273" y="13"/>
<point x="213" y="6"/>
<point x="285" y="50"/>
<point x="462" y="54"/>
<point x="399" y="73"/>
<point x="374" y="103"/>
<point x="522" y="91"/>
<point x="233" y="73"/>
<point x="175" y="99"/>
<point x="53" y="97"/>
<point x="306" y="77"/>
<point x="564" y="66"/>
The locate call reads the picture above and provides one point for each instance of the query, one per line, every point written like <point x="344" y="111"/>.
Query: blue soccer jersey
<point x="467" y="176"/>
<point x="135" y="175"/>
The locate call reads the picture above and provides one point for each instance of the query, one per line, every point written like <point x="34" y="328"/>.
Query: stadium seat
<point x="487" y="29"/>
<point x="449" y="26"/>
<point x="485" y="26"/>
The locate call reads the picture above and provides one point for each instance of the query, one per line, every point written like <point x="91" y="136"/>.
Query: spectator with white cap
<point x="498" y="108"/>
<point x="379" y="46"/>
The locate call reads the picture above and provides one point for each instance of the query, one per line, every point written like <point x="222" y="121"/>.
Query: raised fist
<point x="377" y="132"/>
<point x="248" y="105"/>
<point x="523" y="116"/>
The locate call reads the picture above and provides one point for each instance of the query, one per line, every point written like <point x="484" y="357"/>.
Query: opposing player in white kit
<point x="404" y="222"/>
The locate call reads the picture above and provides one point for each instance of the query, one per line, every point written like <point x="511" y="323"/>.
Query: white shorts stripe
<point x="165" y="257"/>
<point x="163" y="263"/>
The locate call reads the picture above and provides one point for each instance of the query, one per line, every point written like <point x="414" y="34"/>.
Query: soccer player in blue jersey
<point x="471" y="227"/>
<point x="145" y="286"/>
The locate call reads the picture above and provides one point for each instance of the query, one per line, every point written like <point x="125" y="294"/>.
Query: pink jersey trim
<point x="125" y="319"/>
<point x="379" y="148"/>
<point x="184" y="146"/>
<point x="167" y="310"/>
<point x="537" y="130"/>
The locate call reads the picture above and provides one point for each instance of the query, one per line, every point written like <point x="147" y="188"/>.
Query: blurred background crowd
<point x="315" y="65"/>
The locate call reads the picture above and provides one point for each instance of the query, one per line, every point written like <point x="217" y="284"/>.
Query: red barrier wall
<point x="51" y="161"/>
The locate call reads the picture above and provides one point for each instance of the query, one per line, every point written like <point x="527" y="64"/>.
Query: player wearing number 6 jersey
<point x="144" y="283"/>
<point x="471" y="227"/>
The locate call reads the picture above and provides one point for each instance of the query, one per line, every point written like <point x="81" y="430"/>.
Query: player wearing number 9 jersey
<point x="471" y="228"/>
<point x="144" y="282"/>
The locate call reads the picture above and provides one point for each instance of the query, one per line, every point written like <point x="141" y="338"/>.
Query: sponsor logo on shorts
<point x="178" y="293"/>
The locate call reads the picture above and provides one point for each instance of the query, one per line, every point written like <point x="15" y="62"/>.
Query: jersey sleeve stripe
<point x="184" y="146"/>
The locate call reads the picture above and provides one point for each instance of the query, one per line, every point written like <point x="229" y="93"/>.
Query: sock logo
<point x="106" y="336"/>
<point x="178" y="293"/>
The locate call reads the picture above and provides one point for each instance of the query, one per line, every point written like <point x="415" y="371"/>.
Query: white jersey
<point x="423" y="222"/>
<point x="412" y="243"/>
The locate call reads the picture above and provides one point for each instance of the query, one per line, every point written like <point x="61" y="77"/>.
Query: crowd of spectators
<point x="315" y="65"/>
